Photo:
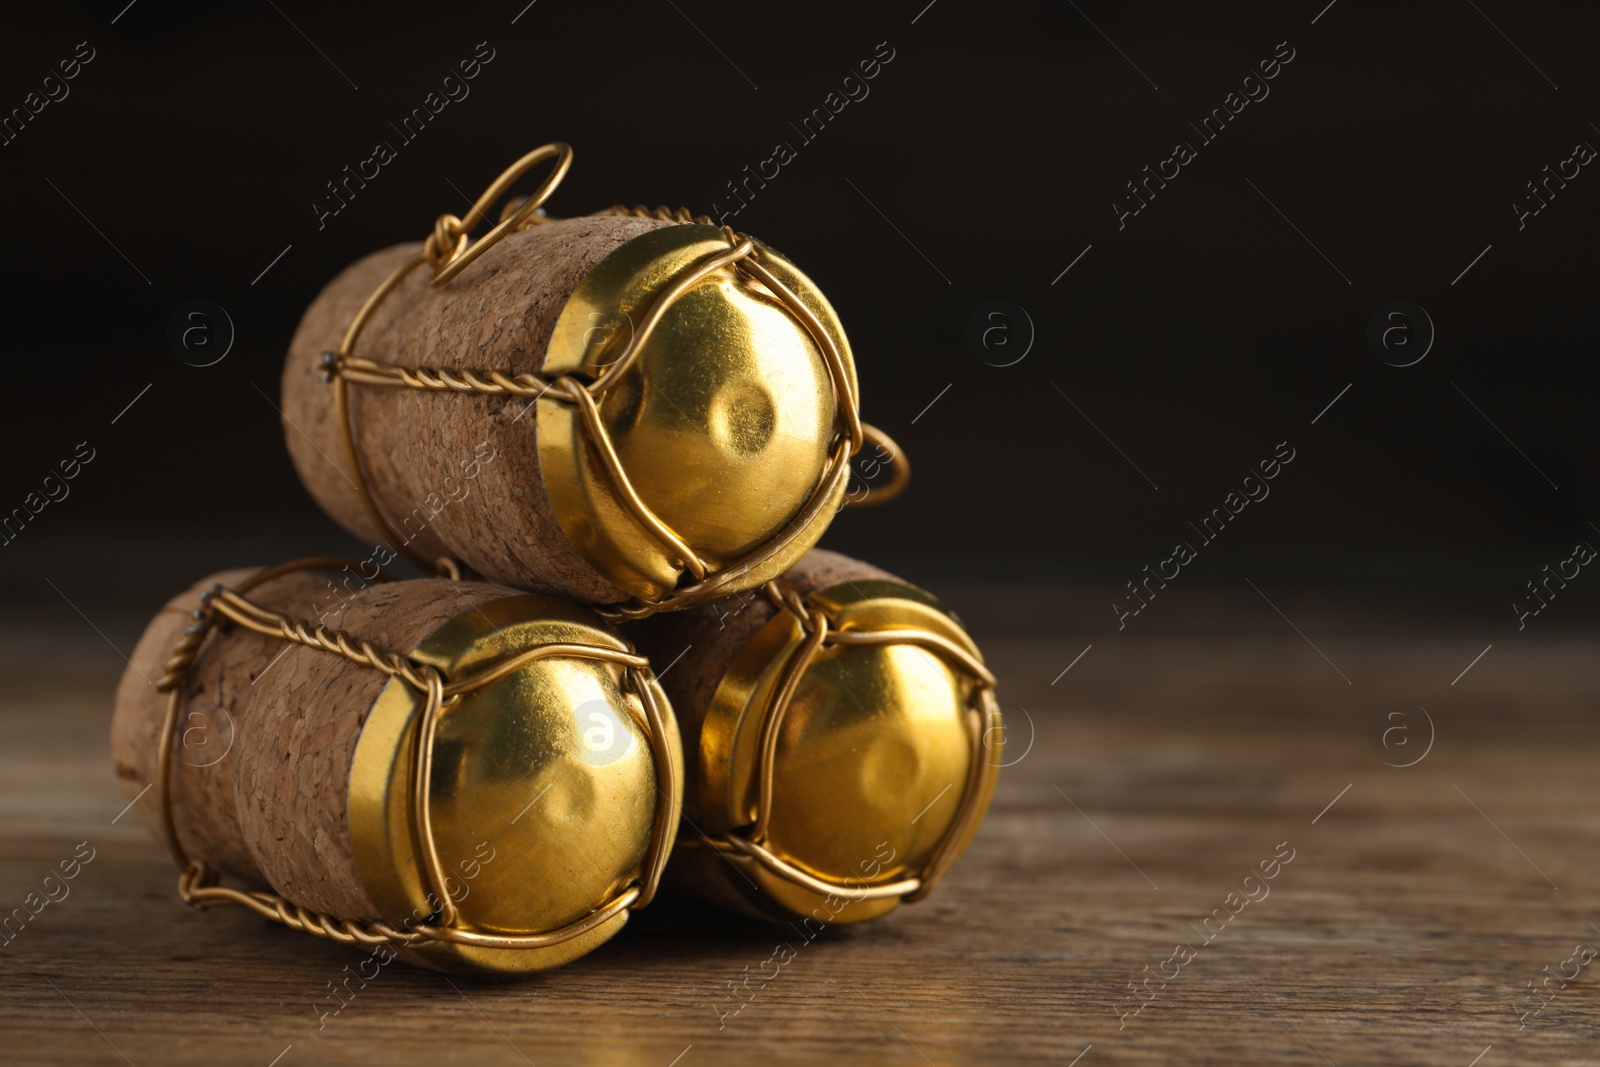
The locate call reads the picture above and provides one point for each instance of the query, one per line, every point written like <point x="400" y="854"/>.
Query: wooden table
<point x="1149" y="780"/>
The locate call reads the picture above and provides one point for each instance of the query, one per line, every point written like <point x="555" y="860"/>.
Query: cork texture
<point x="454" y="473"/>
<point x="274" y="810"/>
<point x="202" y="783"/>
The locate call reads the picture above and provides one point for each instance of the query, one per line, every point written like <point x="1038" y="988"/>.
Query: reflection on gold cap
<point x="724" y="396"/>
<point x="547" y="801"/>
<point x="846" y="760"/>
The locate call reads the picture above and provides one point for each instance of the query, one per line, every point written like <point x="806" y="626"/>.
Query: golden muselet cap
<point x="842" y="742"/>
<point x="714" y="448"/>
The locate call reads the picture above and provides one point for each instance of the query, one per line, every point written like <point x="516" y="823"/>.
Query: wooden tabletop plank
<point x="1149" y="781"/>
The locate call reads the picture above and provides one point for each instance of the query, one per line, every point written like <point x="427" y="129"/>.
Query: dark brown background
<point x="1251" y="704"/>
<point x="1196" y="338"/>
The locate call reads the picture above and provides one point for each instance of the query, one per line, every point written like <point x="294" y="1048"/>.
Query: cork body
<point x="455" y="473"/>
<point x="267" y="730"/>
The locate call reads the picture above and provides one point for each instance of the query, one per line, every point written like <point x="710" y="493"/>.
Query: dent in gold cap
<point x="552" y="799"/>
<point x="846" y="760"/>
<point x="712" y="446"/>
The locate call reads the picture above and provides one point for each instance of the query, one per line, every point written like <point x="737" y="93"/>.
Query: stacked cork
<point x="614" y="440"/>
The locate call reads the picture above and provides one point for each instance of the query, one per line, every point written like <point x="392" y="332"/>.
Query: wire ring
<point x="465" y="254"/>
<point x="897" y="462"/>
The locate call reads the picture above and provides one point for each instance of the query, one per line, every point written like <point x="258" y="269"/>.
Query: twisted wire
<point x="491" y="383"/>
<point x="300" y="632"/>
<point x="665" y="214"/>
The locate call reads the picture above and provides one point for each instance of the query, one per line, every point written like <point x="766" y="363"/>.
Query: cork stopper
<point x="705" y="450"/>
<point x="294" y="766"/>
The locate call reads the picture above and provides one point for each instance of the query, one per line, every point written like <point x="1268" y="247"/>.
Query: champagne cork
<point x="293" y="767"/>
<point x="885" y="742"/>
<point x="725" y="394"/>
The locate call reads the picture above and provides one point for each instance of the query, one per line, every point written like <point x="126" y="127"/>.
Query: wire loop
<point x="519" y="219"/>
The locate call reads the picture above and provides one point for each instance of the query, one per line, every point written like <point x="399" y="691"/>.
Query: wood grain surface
<point x="1154" y="769"/>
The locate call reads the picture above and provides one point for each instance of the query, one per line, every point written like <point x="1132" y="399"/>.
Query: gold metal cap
<point x="710" y="446"/>
<point x="846" y="760"/>
<point x="551" y="799"/>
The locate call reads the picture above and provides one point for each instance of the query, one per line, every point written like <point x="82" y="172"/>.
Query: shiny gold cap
<point x="552" y="800"/>
<point x="712" y="446"/>
<point x="846" y="759"/>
